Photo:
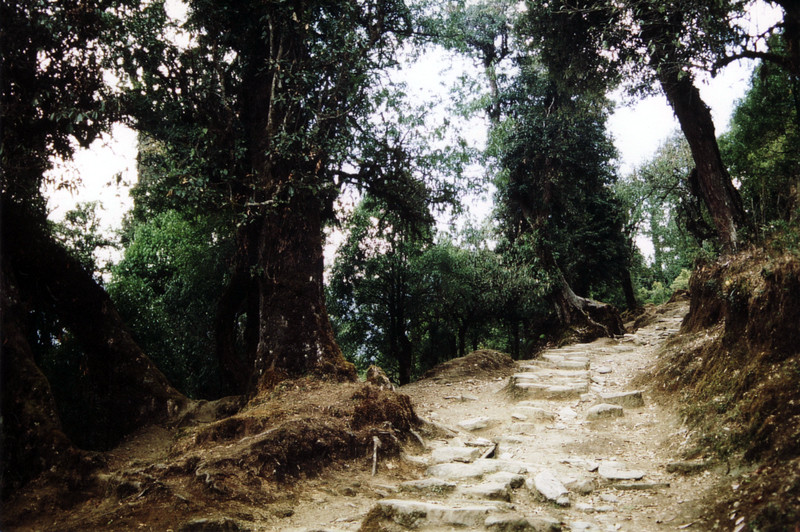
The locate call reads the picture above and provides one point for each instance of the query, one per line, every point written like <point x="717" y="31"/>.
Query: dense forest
<point x="264" y="126"/>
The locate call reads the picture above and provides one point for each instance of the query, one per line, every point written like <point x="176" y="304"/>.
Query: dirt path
<point x="553" y="459"/>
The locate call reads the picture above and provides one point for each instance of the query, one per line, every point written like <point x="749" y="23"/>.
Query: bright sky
<point x="638" y="130"/>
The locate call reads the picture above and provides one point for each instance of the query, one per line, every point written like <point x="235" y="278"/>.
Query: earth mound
<point x="235" y="470"/>
<point x="482" y="363"/>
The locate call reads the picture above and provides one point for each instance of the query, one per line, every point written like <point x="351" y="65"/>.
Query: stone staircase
<point x="535" y="468"/>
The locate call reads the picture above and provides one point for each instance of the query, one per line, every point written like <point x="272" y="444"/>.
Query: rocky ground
<point x="565" y="443"/>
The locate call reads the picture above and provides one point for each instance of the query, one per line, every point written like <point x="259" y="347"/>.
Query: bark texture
<point x="131" y="392"/>
<point x="32" y="438"/>
<point x="295" y="334"/>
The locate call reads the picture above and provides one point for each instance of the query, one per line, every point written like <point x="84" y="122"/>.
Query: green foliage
<point x="557" y="181"/>
<point x="660" y="293"/>
<point x="763" y="145"/>
<point x="662" y="209"/>
<point x="392" y="287"/>
<point x="80" y="233"/>
<point x="54" y="95"/>
<point x="166" y="288"/>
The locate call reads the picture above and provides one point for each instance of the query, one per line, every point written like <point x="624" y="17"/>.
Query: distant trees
<point x="401" y="299"/>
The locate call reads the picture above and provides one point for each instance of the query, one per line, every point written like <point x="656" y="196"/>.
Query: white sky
<point x="638" y="129"/>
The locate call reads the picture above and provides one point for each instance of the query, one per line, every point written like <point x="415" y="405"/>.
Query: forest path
<point x="567" y="443"/>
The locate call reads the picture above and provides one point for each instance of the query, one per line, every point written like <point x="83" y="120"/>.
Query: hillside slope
<point x="736" y="370"/>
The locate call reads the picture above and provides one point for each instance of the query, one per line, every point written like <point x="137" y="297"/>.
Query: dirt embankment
<point x="225" y="474"/>
<point x="736" y="368"/>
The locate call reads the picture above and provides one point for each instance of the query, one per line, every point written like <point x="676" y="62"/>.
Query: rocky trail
<point x="568" y="442"/>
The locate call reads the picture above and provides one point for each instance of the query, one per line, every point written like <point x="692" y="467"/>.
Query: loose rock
<point x="549" y="487"/>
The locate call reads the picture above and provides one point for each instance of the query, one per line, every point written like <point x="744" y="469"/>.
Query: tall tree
<point x="661" y="42"/>
<point x="556" y="163"/>
<point x="375" y="287"/>
<point x="763" y="144"/>
<point x="275" y="94"/>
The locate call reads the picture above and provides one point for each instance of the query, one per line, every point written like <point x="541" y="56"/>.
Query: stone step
<point x="532" y="414"/>
<point x="450" y="453"/>
<point x="546" y="381"/>
<point x="565" y="357"/>
<point x="604" y="411"/>
<point x="563" y="364"/>
<point x="434" y="486"/>
<point x="553" y="392"/>
<point x="542" y="372"/>
<point x="419" y="515"/>
<point x="550" y="488"/>
<point x="477" y="469"/>
<point x="625" y="399"/>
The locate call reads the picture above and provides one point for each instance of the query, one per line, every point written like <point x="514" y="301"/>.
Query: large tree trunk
<point x="31" y="437"/>
<point x="627" y="289"/>
<point x="131" y="391"/>
<point x="592" y="319"/>
<point x="720" y="196"/>
<point x="295" y="334"/>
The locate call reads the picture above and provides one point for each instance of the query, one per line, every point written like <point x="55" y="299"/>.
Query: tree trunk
<point x="462" y="338"/>
<point x="131" y="391"/>
<point x="593" y="318"/>
<point x="31" y="438"/>
<point x="295" y="334"/>
<point x="627" y="289"/>
<point x="720" y="196"/>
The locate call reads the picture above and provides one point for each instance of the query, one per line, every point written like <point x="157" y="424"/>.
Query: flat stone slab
<point x="615" y="471"/>
<point x="582" y="486"/>
<point x="567" y="414"/>
<point x="479" y="442"/>
<point x="447" y="453"/>
<point x="543" y="371"/>
<point x="604" y="411"/>
<point x="553" y="392"/>
<point x="454" y="471"/>
<point x="625" y="399"/>
<point x="533" y="413"/>
<point x="511" y="480"/>
<point x="416" y="514"/>
<point x="561" y="363"/>
<point x="513" y="522"/>
<point x="429" y="485"/>
<point x="492" y="491"/>
<point x="549" y="487"/>
<point x="589" y="465"/>
<point x="477" y="469"/>
<point x="491" y="465"/>
<point x="477" y="423"/>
